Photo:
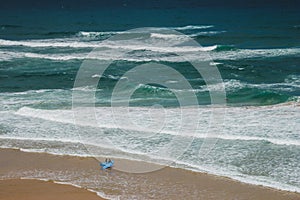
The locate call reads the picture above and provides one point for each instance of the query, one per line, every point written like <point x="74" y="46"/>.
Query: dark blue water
<point x="274" y="32"/>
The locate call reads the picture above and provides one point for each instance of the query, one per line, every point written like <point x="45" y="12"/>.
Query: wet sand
<point x="167" y="183"/>
<point x="46" y="190"/>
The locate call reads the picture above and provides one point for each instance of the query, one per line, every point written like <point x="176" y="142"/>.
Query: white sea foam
<point x="179" y="28"/>
<point x="73" y="42"/>
<point x="95" y="34"/>
<point x="152" y="53"/>
<point x="241" y="123"/>
<point x="193" y="27"/>
<point x="166" y="36"/>
<point x="206" y="33"/>
<point x="106" y="35"/>
<point x="32" y="92"/>
<point x="109" y="44"/>
<point x="96" y="76"/>
<point x="290" y="84"/>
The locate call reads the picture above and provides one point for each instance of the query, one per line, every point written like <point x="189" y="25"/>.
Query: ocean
<point x="256" y="50"/>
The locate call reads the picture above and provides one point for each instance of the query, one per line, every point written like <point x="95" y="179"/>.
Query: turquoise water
<point x="256" y="51"/>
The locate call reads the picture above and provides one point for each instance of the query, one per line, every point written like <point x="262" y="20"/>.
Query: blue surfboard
<point x="106" y="165"/>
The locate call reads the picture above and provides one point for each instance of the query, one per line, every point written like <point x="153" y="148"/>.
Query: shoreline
<point x="192" y="184"/>
<point x="133" y="162"/>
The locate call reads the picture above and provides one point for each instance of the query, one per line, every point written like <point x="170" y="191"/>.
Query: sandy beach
<point x="15" y="165"/>
<point x="47" y="190"/>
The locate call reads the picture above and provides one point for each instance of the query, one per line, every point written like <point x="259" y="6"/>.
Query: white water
<point x="268" y="127"/>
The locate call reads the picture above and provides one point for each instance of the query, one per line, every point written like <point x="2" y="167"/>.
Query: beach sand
<point x="167" y="183"/>
<point x="45" y="190"/>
